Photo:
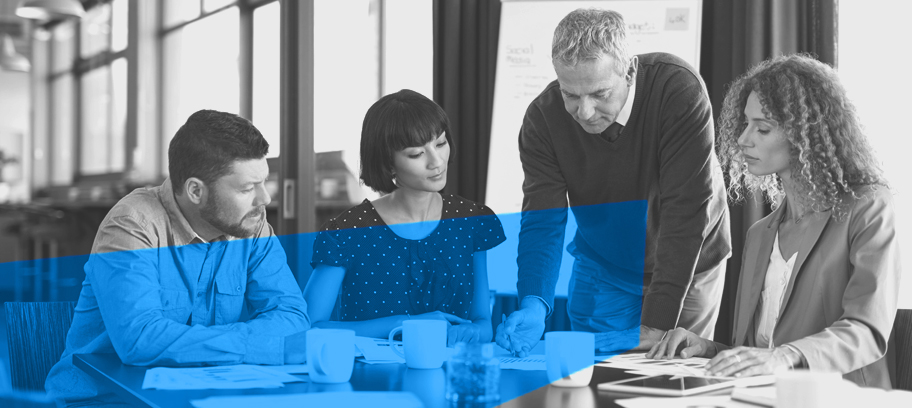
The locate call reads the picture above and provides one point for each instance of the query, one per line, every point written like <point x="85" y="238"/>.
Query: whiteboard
<point x="524" y="69"/>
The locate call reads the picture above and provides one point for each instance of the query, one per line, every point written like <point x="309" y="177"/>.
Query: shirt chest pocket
<point x="175" y="304"/>
<point x="229" y="297"/>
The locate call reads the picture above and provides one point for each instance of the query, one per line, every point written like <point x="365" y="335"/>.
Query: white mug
<point x="808" y="389"/>
<point x="330" y="355"/>
<point x="424" y="342"/>
<point x="569" y="357"/>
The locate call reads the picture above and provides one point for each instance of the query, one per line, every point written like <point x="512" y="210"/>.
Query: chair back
<point x="902" y="336"/>
<point x="37" y="337"/>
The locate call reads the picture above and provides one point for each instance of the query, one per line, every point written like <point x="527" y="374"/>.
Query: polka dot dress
<point x="387" y="275"/>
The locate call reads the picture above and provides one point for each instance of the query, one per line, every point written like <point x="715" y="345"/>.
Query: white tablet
<point x="668" y="385"/>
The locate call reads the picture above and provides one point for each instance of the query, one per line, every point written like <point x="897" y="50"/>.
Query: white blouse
<point x="777" y="278"/>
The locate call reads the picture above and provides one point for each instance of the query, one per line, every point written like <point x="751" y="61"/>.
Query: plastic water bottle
<point x="473" y="375"/>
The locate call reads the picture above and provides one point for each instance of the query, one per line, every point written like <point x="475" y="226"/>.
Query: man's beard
<point x="212" y="213"/>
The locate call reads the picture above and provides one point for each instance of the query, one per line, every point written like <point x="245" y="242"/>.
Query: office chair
<point x="902" y="332"/>
<point x="37" y="337"/>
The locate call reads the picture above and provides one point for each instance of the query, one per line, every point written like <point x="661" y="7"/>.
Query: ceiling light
<point x="11" y="60"/>
<point x="50" y="9"/>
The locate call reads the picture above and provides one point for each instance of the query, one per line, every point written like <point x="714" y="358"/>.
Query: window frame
<point x="79" y="67"/>
<point x="246" y="9"/>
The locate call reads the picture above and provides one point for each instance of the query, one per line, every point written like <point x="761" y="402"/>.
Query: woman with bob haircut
<point x="413" y="253"/>
<point x="820" y="275"/>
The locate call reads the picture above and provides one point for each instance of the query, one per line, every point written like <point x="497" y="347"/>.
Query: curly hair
<point x="830" y="156"/>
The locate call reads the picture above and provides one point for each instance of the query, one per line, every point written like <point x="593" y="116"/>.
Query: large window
<point x="385" y="46"/>
<point x="88" y="87"/>
<point x="266" y="73"/>
<point x="869" y="34"/>
<point x="221" y="55"/>
<point x="110" y="118"/>
<point x="201" y="68"/>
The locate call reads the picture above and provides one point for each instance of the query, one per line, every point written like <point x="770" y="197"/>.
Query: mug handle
<point x="393" y="347"/>
<point x="317" y="363"/>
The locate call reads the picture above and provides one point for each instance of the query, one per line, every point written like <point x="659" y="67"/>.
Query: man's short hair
<point x="590" y="34"/>
<point x="208" y="144"/>
<point x="393" y="123"/>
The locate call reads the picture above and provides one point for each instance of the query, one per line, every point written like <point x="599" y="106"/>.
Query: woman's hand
<point x="748" y="361"/>
<point x="466" y="332"/>
<point x="438" y="315"/>
<point x="691" y="344"/>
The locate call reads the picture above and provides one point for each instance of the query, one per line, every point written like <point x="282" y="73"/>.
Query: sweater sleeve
<point x="687" y="168"/>
<point x="544" y="211"/>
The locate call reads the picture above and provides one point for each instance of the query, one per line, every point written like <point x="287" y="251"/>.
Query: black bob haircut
<point x="208" y="144"/>
<point x="395" y="122"/>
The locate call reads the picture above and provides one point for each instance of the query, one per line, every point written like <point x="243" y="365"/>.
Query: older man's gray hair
<point x="589" y="34"/>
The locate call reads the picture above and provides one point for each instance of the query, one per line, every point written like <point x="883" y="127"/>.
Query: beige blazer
<point x="840" y="302"/>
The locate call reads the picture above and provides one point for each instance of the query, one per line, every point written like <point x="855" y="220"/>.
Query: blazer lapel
<point x="755" y="264"/>
<point x="816" y="223"/>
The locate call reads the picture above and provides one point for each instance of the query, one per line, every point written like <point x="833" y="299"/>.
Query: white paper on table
<point x="639" y="364"/>
<point x="240" y="376"/>
<point x="376" y="350"/>
<point x="533" y="362"/>
<point x="722" y="401"/>
<point x="379" y="351"/>
<point x="289" y="368"/>
<point x="373" y="399"/>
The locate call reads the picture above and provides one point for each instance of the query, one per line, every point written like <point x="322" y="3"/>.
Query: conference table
<point x="517" y="388"/>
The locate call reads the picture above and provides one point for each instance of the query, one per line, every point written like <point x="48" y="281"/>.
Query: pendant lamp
<point x="11" y="60"/>
<point x="45" y="10"/>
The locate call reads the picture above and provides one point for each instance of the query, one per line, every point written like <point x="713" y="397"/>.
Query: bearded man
<point x="172" y="267"/>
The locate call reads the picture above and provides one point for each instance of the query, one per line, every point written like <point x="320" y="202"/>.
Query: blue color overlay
<point x="601" y="263"/>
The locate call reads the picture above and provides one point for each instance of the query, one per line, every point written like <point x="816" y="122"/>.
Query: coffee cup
<point x="424" y="342"/>
<point x="808" y="389"/>
<point x="330" y="355"/>
<point x="569" y="357"/>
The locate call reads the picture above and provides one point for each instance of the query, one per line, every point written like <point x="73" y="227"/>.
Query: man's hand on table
<point x="520" y="332"/>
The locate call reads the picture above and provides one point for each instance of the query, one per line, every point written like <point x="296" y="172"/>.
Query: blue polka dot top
<point x="387" y="275"/>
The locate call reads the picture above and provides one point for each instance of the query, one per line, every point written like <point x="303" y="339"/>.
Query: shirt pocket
<point x="175" y="305"/>
<point x="229" y="297"/>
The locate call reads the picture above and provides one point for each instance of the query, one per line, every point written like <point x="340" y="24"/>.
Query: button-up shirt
<point x="777" y="278"/>
<point x="158" y="294"/>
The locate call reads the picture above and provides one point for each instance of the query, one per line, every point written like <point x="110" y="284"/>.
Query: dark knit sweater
<point x="663" y="158"/>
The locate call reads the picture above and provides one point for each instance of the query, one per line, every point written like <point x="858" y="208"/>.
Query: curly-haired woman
<point x="820" y="275"/>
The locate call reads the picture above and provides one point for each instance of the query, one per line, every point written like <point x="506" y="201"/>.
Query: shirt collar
<point x="624" y="114"/>
<point x="183" y="232"/>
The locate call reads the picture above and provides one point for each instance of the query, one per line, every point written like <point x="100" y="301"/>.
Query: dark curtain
<point x="736" y="35"/>
<point x="465" y="55"/>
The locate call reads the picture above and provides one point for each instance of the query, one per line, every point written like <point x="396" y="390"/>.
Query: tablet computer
<point x="668" y="385"/>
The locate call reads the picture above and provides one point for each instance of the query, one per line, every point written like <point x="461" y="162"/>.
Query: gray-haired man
<point x="628" y="141"/>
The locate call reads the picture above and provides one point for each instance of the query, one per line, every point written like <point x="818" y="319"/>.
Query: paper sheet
<point x="371" y="399"/>
<point x="533" y="362"/>
<point x="720" y="401"/>
<point x="639" y="364"/>
<point x="377" y="351"/>
<point x="289" y="368"/>
<point x="218" y="377"/>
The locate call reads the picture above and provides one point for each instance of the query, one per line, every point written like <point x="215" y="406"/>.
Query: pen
<point x="503" y="318"/>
